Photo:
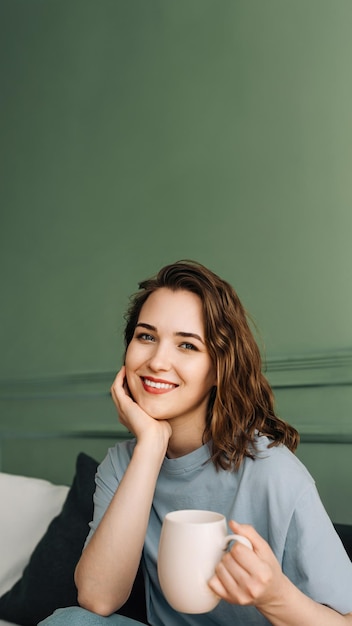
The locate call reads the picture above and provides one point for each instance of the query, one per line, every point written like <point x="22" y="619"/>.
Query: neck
<point x="184" y="440"/>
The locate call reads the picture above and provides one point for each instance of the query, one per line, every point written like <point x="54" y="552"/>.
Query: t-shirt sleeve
<point x="314" y="558"/>
<point x="108" y="476"/>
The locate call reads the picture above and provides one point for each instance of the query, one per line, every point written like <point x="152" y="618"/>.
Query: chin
<point x="156" y="415"/>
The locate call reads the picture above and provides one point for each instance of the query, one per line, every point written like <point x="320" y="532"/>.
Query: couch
<point x="42" y="531"/>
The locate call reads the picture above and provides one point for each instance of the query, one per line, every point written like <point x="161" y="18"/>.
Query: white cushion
<point x="27" y="507"/>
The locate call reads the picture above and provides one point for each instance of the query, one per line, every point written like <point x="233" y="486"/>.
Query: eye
<point x="145" y="337"/>
<point x="188" y="346"/>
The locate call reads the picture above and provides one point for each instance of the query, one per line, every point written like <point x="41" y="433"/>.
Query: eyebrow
<point x="179" y="333"/>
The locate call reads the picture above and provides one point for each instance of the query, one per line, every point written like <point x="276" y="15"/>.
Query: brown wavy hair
<point x="242" y="402"/>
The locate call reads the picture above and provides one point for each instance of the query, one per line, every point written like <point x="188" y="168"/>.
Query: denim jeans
<point x="75" y="616"/>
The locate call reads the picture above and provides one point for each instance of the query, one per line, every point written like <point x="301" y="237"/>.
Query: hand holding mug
<point x="255" y="579"/>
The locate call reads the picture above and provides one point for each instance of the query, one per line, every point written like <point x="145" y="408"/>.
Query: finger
<point x="227" y="587"/>
<point x="120" y="378"/>
<point x="120" y="393"/>
<point x="246" y="530"/>
<point x="236" y="575"/>
<point x="237" y="565"/>
<point x="217" y="587"/>
<point x="118" y="389"/>
<point x="254" y="570"/>
<point x="117" y="378"/>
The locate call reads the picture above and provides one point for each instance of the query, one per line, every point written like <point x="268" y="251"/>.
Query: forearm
<point x="107" y="568"/>
<point x="296" y="609"/>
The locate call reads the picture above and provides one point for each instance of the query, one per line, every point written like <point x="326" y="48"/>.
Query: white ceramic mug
<point x="191" y="545"/>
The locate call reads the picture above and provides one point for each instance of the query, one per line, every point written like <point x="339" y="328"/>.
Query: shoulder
<point x="278" y="477"/>
<point x="279" y="463"/>
<point x="116" y="461"/>
<point x="286" y="490"/>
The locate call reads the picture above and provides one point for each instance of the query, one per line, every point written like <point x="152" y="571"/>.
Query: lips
<point x="156" y="385"/>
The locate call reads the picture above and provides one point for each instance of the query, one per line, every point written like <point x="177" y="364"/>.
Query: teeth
<point x="152" y="383"/>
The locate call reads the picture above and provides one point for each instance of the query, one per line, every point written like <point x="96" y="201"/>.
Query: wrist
<point x="154" y="444"/>
<point x="274" y="605"/>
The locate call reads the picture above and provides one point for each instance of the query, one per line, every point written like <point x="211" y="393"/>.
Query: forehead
<point x="181" y="310"/>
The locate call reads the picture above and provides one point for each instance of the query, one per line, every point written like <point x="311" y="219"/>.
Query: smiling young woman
<point x="205" y="435"/>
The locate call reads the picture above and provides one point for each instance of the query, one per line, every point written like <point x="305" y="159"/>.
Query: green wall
<point x="137" y="132"/>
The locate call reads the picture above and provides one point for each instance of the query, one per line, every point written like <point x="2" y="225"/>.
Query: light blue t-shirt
<point x="274" y="493"/>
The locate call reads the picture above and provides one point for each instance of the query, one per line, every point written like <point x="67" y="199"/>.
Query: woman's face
<point x="168" y="367"/>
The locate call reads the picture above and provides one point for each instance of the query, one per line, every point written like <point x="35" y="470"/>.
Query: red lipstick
<point x="157" y="385"/>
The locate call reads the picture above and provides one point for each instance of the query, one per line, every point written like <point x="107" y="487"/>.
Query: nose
<point x="160" y="358"/>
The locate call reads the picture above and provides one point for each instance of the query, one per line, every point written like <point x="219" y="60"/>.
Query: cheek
<point x="210" y="375"/>
<point x="130" y="378"/>
<point x="129" y="364"/>
<point x="204" y="378"/>
<point x="131" y="357"/>
<point x="133" y="361"/>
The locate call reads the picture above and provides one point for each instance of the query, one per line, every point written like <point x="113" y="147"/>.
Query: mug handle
<point x="239" y="538"/>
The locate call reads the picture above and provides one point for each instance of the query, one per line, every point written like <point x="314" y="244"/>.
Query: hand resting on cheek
<point x="131" y="415"/>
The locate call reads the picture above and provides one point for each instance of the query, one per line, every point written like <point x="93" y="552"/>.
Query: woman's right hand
<point x="132" y="416"/>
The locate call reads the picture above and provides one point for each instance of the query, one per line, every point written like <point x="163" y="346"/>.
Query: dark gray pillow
<point x="345" y="533"/>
